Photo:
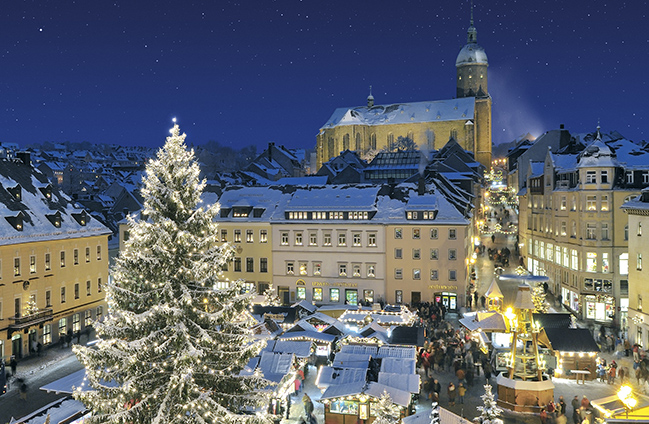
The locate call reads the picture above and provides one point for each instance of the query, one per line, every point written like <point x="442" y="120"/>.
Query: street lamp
<point x="626" y="397"/>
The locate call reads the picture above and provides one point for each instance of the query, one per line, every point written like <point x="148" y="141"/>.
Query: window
<point x="48" y="262"/>
<point x="356" y="239"/>
<point x="416" y="233"/>
<point x="591" y="203"/>
<point x="604" y="207"/>
<point x="452" y="254"/>
<point x="263" y="264"/>
<point x="452" y="234"/>
<point x="398" y="273"/>
<point x="62" y="259"/>
<point x="604" y="231"/>
<point x="434" y="254"/>
<point x="76" y="291"/>
<point x="334" y="295"/>
<point x="76" y="322"/>
<point x="356" y="270"/>
<point x="416" y="254"/>
<point x="639" y="228"/>
<point x="629" y="177"/>
<point x="639" y="262"/>
<point x="371" y="239"/>
<point x="626" y="232"/>
<point x="605" y="266"/>
<point x="87" y="254"/>
<point x="237" y="264"/>
<point x="298" y="239"/>
<point x="313" y="239"/>
<point x="75" y="256"/>
<point x="62" y="294"/>
<point x="591" y="262"/>
<point x="416" y="274"/>
<point x="398" y="253"/>
<point x="63" y="323"/>
<point x="237" y="236"/>
<point x="368" y="295"/>
<point x="591" y="229"/>
<point x="47" y="334"/>
<point x="263" y="236"/>
<point x="88" y="292"/>
<point x="290" y="268"/>
<point x="603" y="177"/>
<point x="100" y="312"/>
<point x="317" y="293"/>
<point x="48" y="298"/>
<point x="645" y="177"/>
<point x="284" y="239"/>
<point x="563" y="203"/>
<point x="327" y="239"/>
<point x="342" y="270"/>
<point x="249" y="236"/>
<point x="398" y="296"/>
<point x="99" y="253"/>
<point x="624" y="264"/>
<point x="434" y="275"/>
<point x="99" y="288"/>
<point x="371" y="270"/>
<point x="87" y="318"/>
<point x="398" y="234"/>
<point x="452" y="275"/>
<point x="639" y="302"/>
<point x="317" y="268"/>
<point x="573" y="229"/>
<point x="563" y="228"/>
<point x="224" y="236"/>
<point x="573" y="203"/>
<point x="32" y="264"/>
<point x="342" y="239"/>
<point x="433" y="233"/>
<point x="574" y="263"/>
<point x="16" y="267"/>
<point x="303" y="270"/>
<point x="250" y="265"/>
<point x="591" y="177"/>
<point x="301" y="293"/>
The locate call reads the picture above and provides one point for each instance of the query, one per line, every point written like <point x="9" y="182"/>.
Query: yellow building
<point x="572" y="228"/>
<point x="638" y="227"/>
<point x="53" y="263"/>
<point x="429" y="124"/>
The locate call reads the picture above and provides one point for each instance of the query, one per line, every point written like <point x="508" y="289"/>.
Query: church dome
<point x="470" y="54"/>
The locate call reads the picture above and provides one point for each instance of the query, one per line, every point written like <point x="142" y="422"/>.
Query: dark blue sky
<point x="251" y="72"/>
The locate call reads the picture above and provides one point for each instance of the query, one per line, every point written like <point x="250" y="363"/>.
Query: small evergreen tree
<point x="490" y="411"/>
<point x="538" y="298"/>
<point x="386" y="411"/>
<point x="172" y="344"/>
<point x="271" y="298"/>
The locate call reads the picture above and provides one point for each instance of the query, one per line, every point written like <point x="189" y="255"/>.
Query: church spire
<point x="472" y="33"/>
<point x="370" y="99"/>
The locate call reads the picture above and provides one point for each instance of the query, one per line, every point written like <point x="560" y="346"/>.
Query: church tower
<point x="471" y="65"/>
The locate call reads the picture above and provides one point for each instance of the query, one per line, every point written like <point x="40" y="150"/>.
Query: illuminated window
<point x="290" y="268"/>
<point x="303" y="266"/>
<point x="263" y="236"/>
<point x="605" y="266"/>
<point x="88" y="292"/>
<point x="317" y="293"/>
<point x="62" y="294"/>
<point x="313" y="239"/>
<point x="342" y="270"/>
<point x="563" y="228"/>
<point x="32" y="264"/>
<point x="398" y="233"/>
<point x="342" y="239"/>
<point x="16" y="267"/>
<point x="371" y="270"/>
<point x="371" y="239"/>
<point x="298" y="239"/>
<point x="591" y="262"/>
<point x="48" y="262"/>
<point x="87" y="318"/>
<point x="434" y="275"/>
<point x="433" y="233"/>
<point x="99" y="253"/>
<point x="75" y="256"/>
<point x="591" y="203"/>
<point x="416" y="233"/>
<point x="334" y="295"/>
<point x="326" y="239"/>
<point x="237" y="236"/>
<point x="284" y="239"/>
<point x="62" y="259"/>
<point x="224" y="236"/>
<point x="356" y="270"/>
<point x="563" y="203"/>
<point x="639" y="262"/>
<point x="317" y="268"/>
<point x="574" y="259"/>
<point x="249" y="236"/>
<point x="604" y="231"/>
<point x="604" y="207"/>
<point x="356" y="239"/>
<point x="47" y="334"/>
<point x="301" y="293"/>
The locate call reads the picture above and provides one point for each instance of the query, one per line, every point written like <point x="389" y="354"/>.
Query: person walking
<point x="14" y="365"/>
<point x="23" y="391"/>
<point x="451" y="394"/>
<point x="576" y="417"/>
<point x="461" y="391"/>
<point x="308" y="405"/>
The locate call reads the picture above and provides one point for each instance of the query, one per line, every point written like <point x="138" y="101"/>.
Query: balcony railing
<point x="42" y="315"/>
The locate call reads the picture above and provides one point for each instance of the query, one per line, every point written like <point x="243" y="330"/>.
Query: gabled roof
<point x="494" y="291"/>
<point x="571" y="340"/>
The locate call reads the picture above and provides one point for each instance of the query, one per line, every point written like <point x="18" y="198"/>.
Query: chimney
<point x="270" y="151"/>
<point x="421" y="187"/>
<point x="24" y="157"/>
<point x="564" y="136"/>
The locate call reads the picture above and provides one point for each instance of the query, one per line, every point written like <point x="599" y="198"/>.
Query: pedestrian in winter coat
<point x="451" y="394"/>
<point x="308" y="405"/>
<point x="461" y="391"/>
<point x="436" y="387"/>
<point x="561" y="405"/>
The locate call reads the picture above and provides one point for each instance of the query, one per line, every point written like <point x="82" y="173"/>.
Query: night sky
<point x="244" y="73"/>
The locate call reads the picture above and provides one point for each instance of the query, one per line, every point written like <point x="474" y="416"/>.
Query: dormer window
<point x="55" y="219"/>
<point x="16" y="221"/>
<point x="47" y="191"/>
<point x="16" y="192"/>
<point x="81" y="218"/>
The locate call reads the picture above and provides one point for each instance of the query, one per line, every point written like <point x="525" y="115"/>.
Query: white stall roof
<point x="407" y="382"/>
<point x="398" y="365"/>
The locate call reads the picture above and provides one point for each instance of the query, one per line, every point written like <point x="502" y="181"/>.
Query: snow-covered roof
<point x="351" y="360"/>
<point x="275" y="365"/>
<point x="359" y="349"/>
<point x="301" y="349"/>
<point x="536" y="169"/>
<point x="406" y="382"/>
<point x="328" y="376"/>
<point x="399" y="397"/>
<point x="403" y="352"/>
<point x="308" y="335"/>
<point x="398" y="365"/>
<point x="404" y="113"/>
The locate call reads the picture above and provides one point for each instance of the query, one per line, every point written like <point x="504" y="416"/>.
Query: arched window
<point x="373" y="142"/>
<point x="390" y="141"/>
<point x="358" y="142"/>
<point x="346" y="142"/>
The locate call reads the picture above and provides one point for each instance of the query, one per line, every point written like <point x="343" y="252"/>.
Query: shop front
<point x="599" y="307"/>
<point x="570" y="299"/>
<point x="330" y="292"/>
<point x="446" y="298"/>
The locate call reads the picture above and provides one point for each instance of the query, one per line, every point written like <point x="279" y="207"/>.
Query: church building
<point x="429" y="124"/>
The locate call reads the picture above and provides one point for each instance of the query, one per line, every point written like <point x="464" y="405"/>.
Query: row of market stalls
<point x="362" y="353"/>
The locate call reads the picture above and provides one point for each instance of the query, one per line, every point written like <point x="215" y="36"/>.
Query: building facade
<point x="53" y="263"/>
<point x="571" y="225"/>
<point x="638" y="225"/>
<point x="429" y="124"/>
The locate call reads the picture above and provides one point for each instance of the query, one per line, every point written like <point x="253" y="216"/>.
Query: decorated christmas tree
<point x="175" y="337"/>
<point x="490" y="411"/>
<point x="434" y="414"/>
<point x="386" y="411"/>
<point x="538" y="298"/>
